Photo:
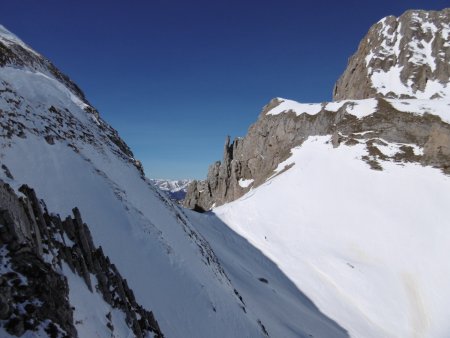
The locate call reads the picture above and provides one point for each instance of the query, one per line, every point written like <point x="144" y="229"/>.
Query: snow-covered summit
<point x="404" y="57"/>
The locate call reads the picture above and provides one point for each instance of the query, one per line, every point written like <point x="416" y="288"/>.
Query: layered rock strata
<point x="34" y="295"/>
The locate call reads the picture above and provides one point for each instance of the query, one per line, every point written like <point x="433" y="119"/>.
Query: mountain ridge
<point x="375" y="118"/>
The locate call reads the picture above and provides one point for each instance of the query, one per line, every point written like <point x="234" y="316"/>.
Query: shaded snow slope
<point x="282" y="307"/>
<point x="367" y="247"/>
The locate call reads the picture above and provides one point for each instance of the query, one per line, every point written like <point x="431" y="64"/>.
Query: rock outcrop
<point x="417" y="131"/>
<point x="268" y="142"/>
<point x="404" y="57"/>
<point x="34" y="292"/>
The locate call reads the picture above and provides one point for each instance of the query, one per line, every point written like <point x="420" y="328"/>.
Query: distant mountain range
<point x="176" y="189"/>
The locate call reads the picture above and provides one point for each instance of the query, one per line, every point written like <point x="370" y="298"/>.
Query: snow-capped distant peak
<point x="171" y="185"/>
<point x="175" y="189"/>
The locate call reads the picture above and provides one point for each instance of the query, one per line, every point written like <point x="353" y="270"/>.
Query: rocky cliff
<point x="400" y="62"/>
<point x="35" y="247"/>
<point x="404" y="57"/>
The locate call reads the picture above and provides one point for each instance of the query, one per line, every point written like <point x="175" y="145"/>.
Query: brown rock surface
<point x="417" y="43"/>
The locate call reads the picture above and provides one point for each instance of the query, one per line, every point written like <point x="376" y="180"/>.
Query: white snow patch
<point x="358" y="108"/>
<point x="385" y="82"/>
<point x="91" y="310"/>
<point x="335" y="105"/>
<point x="298" y="108"/>
<point x="439" y="107"/>
<point x="245" y="183"/>
<point x="362" y="108"/>
<point x="445" y="33"/>
<point x="429" y="26"/>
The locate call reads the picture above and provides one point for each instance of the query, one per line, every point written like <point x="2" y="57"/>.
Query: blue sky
<point x="175" y="77"/>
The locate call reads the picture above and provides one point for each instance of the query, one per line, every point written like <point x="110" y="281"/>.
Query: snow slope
<point x="54" y="141"/>
<point x="367" y="247"/>
<point x="166" y="263"/>
<point x="281" y="306"/>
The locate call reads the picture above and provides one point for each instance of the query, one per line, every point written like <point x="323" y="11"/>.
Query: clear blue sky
<point x="174" y="77"/>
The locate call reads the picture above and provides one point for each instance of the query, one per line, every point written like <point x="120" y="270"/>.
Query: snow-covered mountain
<point x="54" y="141"/>
<point x="350" y="198"/>
<point x="409" y="108"/>
<point x="176" y="189"/>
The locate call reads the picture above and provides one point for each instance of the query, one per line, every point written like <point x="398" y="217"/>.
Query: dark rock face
<point x="414" y="48"/>
<point x="33" y="246"/>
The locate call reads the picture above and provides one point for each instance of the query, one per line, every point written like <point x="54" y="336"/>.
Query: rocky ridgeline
<point x="55" y="120"/>
<point x="269" y="141"/>
<point x="34" y="294"/>
<point x="423" y="138"/>
<point x="414" y="48"/>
